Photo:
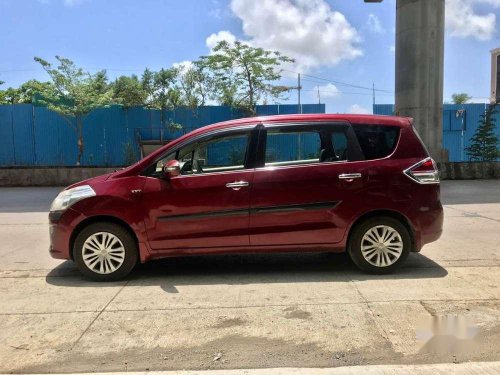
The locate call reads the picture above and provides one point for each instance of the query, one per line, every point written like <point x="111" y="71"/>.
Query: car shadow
<point x="241" y="269"/>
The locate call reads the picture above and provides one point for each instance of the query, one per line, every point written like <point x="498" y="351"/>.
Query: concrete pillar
<point x="495" y="75"/>
<point x="419" y="69"/>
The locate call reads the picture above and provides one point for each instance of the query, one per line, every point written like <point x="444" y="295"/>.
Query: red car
<point x="361" y="184"/>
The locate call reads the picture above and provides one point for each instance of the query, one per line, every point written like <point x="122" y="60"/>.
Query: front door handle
<point x="349" y="176"/>
<point x="237" y="185"/>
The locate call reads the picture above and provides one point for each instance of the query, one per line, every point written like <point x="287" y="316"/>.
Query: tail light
<point x="424" y="172"/>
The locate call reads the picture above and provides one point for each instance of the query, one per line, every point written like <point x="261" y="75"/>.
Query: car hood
<point x="92" y="181"/>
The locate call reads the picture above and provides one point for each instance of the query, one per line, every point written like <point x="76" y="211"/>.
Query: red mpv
<point x="356" y="183"/>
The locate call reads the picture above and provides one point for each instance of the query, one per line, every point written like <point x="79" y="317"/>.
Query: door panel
<point x="208" y="204"/>
<point x="198" y="211"/>
<point x="301" y="204"/>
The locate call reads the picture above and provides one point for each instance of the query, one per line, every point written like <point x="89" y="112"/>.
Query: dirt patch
<point x="295" y="313"/>
<point x="232" y="351"/>
<point x="230" y="322"/>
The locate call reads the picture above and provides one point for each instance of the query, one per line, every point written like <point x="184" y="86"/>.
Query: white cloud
<point x="463" y="21"/>
<point x="215" y="38"/>
<point x="328" y="91"/>
<point x="374" y="25"/>
<point x="307" y="30"/>
<point x="358" y="110"/>
<point x="183" y="66"/>
<point x="392" y="48"/>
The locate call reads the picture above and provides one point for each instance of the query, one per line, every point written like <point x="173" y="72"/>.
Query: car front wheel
<point x="105" y="252"/>
<point x="379" y="245"/>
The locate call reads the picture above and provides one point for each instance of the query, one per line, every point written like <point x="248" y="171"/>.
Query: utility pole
<point x="299" y="87"/>
<point x="319" y="97"/>
<point x="373" y="93"/>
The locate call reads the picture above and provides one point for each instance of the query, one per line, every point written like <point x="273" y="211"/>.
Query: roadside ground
<point x="253" y="311"/>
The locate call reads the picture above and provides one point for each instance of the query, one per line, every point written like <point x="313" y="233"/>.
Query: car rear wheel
<point x="379" y="245"/>
<point x="105" y="252"/>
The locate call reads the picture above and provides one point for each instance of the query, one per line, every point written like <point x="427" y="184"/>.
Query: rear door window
<point x="376" y="141"/>
<point x="288" y="147"/>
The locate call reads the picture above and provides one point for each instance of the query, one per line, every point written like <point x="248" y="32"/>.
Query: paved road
<point x="248" y="311"/>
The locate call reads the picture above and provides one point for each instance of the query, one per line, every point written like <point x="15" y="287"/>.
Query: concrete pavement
<point x="469" y="368"/>
<point x="252" y="311"/>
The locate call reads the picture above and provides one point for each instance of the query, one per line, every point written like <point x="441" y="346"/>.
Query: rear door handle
<point x="237" y="185"/>
<point x="349" y="176"/>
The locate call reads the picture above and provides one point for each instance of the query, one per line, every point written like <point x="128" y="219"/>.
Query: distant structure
<point x="495" y="76"/>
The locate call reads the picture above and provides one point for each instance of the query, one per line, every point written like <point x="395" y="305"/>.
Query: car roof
<point x="307" y="118"/>
<point x="295" y="118"/>
<point x="353" y="119"/>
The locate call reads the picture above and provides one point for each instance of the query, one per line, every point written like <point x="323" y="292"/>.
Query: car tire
<point x="105" y="252"/>
<point x="371" y="253"/>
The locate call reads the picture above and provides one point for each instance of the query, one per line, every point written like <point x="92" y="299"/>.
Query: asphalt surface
<point x="252" y="311"/>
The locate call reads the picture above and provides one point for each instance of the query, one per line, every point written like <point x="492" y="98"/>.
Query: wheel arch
<point x="387" y="213"/>
<point x="100" y="219"/>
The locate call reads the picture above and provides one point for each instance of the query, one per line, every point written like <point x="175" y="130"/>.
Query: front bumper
<point x="61" y="225"/>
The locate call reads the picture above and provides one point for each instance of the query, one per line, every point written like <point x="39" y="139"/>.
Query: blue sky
<point x="333" y="40"/>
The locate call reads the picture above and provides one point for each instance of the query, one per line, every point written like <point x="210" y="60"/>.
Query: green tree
<point x="76" y="94"/>
<point x="162" y="92"/>
<point x="9" y="96"/>
<point x="460" y="98"/>
<point x="484" y="143"/>
<point x="242" y="74"/>
<point x="128" y="91"/>
<point x="194" y="83"/>
<point x="2" y="94"/>
<point x="28" y="92"/>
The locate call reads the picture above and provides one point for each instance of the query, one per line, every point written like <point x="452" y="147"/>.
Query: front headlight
<point x="69" y="197"/>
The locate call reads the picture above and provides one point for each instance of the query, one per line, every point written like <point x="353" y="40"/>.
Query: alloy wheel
<point x="103" y="253"/>
<point x="381" y="246"/>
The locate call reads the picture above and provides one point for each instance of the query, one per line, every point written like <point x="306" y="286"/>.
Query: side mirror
<point x="172" y="169"/>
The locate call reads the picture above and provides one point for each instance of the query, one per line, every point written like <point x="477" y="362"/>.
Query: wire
<point x="339" y="82"/>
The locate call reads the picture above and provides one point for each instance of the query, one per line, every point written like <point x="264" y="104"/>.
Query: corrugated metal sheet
<point x="7" y="151"/>
<point x="24" y="140"/>
<point x="55" y="138"/>
<point x="37" y="136"/>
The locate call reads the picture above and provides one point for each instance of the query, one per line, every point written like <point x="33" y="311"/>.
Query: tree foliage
<point x="128" y="91"/>
<point x="484" y="143"/>
<point x="460" y="98"/>
<point x="28" y="92"/>
<point x="195" y="85"/>
<point x="242" y="75"/>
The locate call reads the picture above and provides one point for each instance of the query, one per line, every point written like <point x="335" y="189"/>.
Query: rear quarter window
<point x="376" y="141"/>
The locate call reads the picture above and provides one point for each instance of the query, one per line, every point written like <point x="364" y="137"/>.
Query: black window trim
<point x="253" y="128"/>
<point x="352" y="142"/>
<point x="396" y="143"/>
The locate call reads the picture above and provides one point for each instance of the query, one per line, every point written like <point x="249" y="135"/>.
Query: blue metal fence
<point x="460" y="122"/>
<point x="36" y="136"/>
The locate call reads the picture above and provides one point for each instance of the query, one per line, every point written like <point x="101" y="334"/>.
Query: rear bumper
<point x="429" y="227"/>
